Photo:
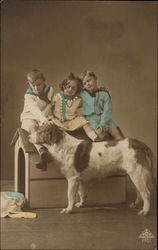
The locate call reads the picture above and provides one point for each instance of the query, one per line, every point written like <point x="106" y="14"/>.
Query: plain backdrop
<point x="117" y="40"/>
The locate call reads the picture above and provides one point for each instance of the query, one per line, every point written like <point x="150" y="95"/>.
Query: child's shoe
<point x="44" y="154"/>
<point x="41" y="165"/>
<point x="45" y="158"/>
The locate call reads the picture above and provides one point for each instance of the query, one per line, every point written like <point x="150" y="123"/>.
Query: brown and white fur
<point x="82" y="160"/>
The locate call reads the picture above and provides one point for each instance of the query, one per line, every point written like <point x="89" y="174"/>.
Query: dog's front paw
<point x="66" y="211"/>
<point x="133" y="205"/>
<point x="142" y="212"/>
<point x="79" y="204"/>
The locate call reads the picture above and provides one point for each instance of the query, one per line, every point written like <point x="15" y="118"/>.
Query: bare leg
<point x="44" y="156"/>
<point x="116" y="133"/>
<point x="72" y="191"/>
<point x="90" y="132"/>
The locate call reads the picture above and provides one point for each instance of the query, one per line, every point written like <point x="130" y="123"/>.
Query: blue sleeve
<point x="107" y="111"/>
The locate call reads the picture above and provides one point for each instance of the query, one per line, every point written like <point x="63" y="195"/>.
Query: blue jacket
<point x="97" y="108"/>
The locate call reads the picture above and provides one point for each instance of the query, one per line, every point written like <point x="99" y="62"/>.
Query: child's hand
<point x="47" y="122"/>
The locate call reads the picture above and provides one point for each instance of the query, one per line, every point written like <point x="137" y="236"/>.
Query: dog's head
<point x="48" y="134"/>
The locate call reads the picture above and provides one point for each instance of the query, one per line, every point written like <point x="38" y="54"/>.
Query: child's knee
<point x="33" y="128"/>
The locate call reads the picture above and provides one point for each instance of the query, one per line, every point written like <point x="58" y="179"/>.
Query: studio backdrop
<point x="117" y="40"/>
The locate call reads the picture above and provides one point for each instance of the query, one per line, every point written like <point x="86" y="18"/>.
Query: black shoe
<point x="45" y="158"/>
<point x="44" y="154"/>
<point x="41" y="165"/>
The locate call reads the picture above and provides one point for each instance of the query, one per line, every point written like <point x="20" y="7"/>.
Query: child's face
<point x="89" y="83"/>
<point x="70" y="89"/>
<point x="37" y="86"/>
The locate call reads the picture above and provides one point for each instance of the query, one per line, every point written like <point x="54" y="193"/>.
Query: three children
<point x="42" y="106"/>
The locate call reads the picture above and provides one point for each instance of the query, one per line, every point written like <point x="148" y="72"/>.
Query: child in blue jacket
<point x="97" y="107"/>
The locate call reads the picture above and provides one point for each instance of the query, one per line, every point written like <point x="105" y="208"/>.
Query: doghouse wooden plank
<point x="15" y="138"/>
<point x="48" y="193"/>
<point x="53" y="193"/>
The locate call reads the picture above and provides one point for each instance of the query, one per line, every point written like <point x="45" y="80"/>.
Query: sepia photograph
<point x="78" y="125"/>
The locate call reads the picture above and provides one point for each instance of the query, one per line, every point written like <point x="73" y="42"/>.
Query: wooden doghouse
<point x="49" y="189"/>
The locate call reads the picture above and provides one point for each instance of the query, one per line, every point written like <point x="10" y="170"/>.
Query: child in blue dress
<point x="97" y="107"/>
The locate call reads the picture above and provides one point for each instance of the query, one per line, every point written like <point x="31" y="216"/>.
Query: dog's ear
<point x="49" y="134"/>
<point x="57" y="134"/>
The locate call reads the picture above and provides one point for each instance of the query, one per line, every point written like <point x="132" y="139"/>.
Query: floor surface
<point x="111" y="227"/>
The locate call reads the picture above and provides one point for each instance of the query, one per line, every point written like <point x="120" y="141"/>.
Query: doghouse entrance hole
<point x="21" y="171"/>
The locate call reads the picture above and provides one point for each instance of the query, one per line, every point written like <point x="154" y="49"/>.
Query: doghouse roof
<point x="23" y="134"/>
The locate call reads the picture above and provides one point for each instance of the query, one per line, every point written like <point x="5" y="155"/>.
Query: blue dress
<point x="97" y="108"/>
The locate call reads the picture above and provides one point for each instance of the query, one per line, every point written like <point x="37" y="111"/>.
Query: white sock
<point x="92" y="135"/>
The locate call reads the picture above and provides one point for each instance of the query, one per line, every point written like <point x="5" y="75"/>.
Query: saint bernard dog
<point x="81" y="160"/>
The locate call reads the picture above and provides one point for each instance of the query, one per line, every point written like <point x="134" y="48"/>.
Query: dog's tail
<point x="152" y="164"/>
<point x="147" y="158"/>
